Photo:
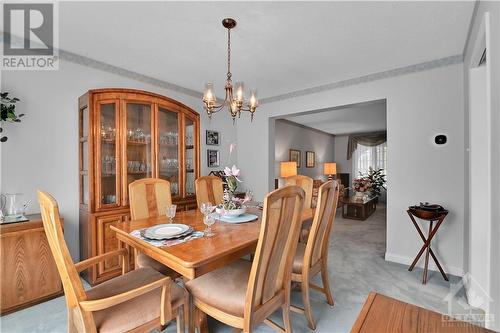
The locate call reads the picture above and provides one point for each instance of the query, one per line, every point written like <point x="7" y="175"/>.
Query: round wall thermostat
<point x="440" y="139"/>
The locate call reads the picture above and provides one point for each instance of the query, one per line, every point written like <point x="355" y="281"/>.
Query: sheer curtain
<point x="365" y="157"/>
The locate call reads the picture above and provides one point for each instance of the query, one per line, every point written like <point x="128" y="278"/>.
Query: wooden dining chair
<point x="138" y="300"/>
<point x="307" y="184"/>
<point x="149" y="197"/>
<point x="209" y="189"/>
<point x="243" y="294"/>
<point x="311" y="258"/>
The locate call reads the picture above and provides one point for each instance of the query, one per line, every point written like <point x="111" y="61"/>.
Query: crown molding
<point x="103" y="66"/>
<point x="100" y="65"/>
<point x="293" y="123"/>
<point x="455" y="59"/>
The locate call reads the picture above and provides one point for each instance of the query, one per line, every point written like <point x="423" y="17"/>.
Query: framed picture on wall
<point x="295" y="156"/>
<point x="310" y="159"/>
<point x="213" y="158"/>
<point x="213" y="138"/>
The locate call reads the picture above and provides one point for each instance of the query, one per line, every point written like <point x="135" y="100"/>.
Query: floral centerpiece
<point x="232" y="205"/>
<point x="361" y="185"/>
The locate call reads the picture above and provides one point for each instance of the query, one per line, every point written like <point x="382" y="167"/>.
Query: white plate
<point x="163" y="231"/>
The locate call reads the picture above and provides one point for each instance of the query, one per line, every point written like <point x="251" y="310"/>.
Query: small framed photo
<point x="213" y="138"/>
<point x="295" y="156"/>
<point x="310" y="159"/>
<point x="213" y="158"/>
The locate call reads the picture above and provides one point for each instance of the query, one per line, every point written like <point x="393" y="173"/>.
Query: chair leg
<point x="326" y="284"/>
<point x="307" y="304"/>
<point x="286" y="318"/>
<point x="180" y="319"/>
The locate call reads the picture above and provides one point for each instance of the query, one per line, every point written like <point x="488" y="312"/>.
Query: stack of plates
<point x="168" y="231"/>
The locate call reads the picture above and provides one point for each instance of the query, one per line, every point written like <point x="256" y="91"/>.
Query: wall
<point x="293" y="136"/>
<point x="343" y="164"/>
<point x="42" y="151"/>
<point x="492" y="8"/>
<point x="419" y="106"/>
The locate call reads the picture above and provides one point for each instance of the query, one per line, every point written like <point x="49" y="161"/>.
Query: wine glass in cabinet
<point x="168" y="147"/>
<point x="138" y="151"/>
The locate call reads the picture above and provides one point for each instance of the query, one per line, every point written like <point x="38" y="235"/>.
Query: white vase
<point x="359" y="195"/>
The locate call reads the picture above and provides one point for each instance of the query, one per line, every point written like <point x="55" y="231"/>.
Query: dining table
<point x="193" y="258"/>
<point x="198" y="256"/>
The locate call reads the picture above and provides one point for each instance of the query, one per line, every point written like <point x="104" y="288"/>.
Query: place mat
<point x="166" y="242"/>
<point x="239" y="219"/>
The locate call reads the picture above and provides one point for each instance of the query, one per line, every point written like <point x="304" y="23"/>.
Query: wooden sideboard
<point x="28" y="272"/>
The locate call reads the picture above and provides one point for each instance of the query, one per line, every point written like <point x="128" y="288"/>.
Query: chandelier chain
<point x="229" y="53"/>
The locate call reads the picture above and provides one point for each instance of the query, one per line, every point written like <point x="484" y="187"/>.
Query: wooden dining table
<point x="202" y="255"/>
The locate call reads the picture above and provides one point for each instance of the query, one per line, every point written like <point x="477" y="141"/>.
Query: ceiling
<point x="359" y="118"/>
<point x="278" y="47"/>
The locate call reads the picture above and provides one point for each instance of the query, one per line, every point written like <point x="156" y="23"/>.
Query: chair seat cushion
<point x="298" y="260"/>
<point x="135" y="312"/>
<point x="144" y="261"/>
<point x="224" y="288"/>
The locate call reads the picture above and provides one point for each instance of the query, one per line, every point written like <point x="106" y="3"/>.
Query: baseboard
<point x="457" y="271"/>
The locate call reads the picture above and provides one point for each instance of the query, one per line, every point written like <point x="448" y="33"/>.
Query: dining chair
<point x="138" y="300"/>
<point x="312" y="258"/>
<point x="306" y="183"/>
<point x="243" y="294"/>
<point x="149" y="197"/>
<point x="209" y="189"/>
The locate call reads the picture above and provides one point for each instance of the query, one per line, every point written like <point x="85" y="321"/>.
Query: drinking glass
<point x="171" y="212"/>
<point x="208" y="220"/>
<point x="206" y="208"/>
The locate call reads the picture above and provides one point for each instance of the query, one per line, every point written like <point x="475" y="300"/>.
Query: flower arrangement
<point x="230" y="201"/>
<point x="362" y="184"/>
<point x="8" y="112"/>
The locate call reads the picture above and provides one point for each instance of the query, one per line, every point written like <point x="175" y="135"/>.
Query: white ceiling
<point x="360" y="118"/>
<point x="278" y="47"/>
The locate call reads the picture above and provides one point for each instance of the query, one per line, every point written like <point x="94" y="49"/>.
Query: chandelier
<point x="235" y="99"/>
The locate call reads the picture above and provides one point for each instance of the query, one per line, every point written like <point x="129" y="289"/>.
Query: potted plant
<point x="8" y="112"/>
<point x="377" y="179"/>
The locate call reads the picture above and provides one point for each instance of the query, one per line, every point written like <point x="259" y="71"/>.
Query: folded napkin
<point x="166" y="242"/>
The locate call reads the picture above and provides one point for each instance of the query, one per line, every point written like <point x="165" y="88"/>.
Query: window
<point x="365" y="157"/>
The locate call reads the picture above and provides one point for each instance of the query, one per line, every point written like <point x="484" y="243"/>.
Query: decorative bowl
<point x="233" y="212"/>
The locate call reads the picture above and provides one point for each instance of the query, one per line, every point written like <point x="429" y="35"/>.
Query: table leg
<point x="426" y="266"/>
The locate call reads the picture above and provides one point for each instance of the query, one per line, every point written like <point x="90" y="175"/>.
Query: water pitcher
<point x="11" y="204"/>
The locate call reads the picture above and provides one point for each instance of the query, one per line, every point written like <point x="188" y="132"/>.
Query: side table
<point x="430" y="216"/>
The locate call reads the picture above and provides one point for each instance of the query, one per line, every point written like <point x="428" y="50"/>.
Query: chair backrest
<point x="73" y="288"/>
<point x="149" y="197"/>
<point x="306" y="183"/>
<point x="209" y="189"/>
<point x="270" y="274"/>
<point x="319" y="236"/>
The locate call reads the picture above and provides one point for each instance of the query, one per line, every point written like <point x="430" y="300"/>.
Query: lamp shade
<point x="330" y="168"/>
<point x="288" y="169"/>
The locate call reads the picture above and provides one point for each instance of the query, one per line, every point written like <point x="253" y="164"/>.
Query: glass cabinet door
<point x="138" y="143"/>
<point x="107" y="152"/>
<point x="190" y="146"/>
<point x="168" y="148"/>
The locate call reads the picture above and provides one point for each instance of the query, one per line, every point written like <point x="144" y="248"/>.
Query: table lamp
<point x="330" y="169"/>
<point x="288" y="169"/>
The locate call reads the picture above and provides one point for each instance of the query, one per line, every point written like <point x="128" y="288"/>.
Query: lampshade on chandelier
<point x="235" y="100"/>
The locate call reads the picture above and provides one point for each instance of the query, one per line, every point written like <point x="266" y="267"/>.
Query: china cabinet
<point x="127" y="135"/>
